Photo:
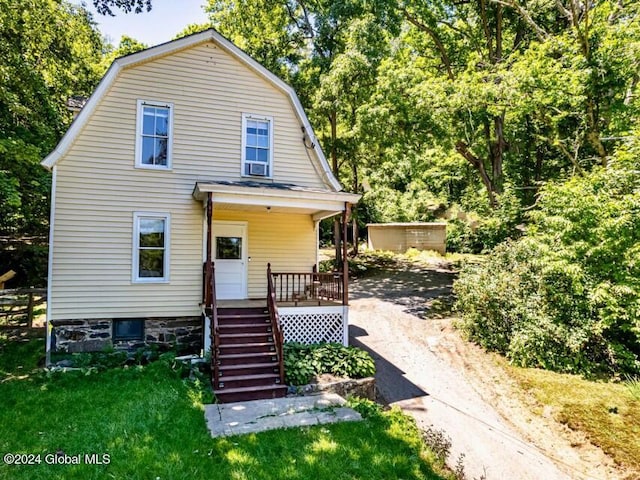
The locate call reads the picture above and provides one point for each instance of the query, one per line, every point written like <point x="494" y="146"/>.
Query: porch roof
<point x="319" y="203"/>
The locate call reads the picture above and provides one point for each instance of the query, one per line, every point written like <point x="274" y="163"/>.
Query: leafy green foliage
<point x="567" y="296"/>
<point x="28" y="259"/>
<point x="126" y="46"/>
<point x="302" y="362"/>
<point x="105" y="7"/>
<point x="365" y="407"/>
<point x="50" y="50"/>
<point x="484" y="228"/>
<point x="633" y="387"/>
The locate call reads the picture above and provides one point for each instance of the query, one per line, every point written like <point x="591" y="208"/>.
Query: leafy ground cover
<point x="150" y="423"/>
<point x="609" y="413"/>
<point x="302" y="362"/>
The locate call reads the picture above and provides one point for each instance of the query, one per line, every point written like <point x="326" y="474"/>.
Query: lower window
<point x="129" y="329"/>
<point x="151" y="247"/>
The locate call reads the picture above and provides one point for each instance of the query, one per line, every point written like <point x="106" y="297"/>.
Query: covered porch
<point x="261" y="286"/>
<point x="249" y="226"/>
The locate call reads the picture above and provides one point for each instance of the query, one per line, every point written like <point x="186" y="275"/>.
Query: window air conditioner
<point x="258" y="169"/>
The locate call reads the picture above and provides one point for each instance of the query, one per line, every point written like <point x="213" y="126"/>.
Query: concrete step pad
<point x="259" y="415"/>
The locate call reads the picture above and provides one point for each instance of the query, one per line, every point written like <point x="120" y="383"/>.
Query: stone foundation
<point x="94" y="335"/>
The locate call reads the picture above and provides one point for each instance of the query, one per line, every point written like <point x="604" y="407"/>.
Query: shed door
<point x="230" y="257"/>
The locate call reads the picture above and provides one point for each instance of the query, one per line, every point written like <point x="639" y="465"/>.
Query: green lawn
<point x="150" y="423"/>
<point x="607" y="412"/>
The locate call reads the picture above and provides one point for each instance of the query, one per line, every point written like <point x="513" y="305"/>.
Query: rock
<point x="67" y="362"/>
<point x="345" y="387"/>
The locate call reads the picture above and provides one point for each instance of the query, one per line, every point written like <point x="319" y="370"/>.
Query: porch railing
<point x="212" y="311"/>
<point x="310" y="287"/>
<point x="276" y="328"/>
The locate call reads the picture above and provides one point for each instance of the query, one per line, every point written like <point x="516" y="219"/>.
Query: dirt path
<point x="445" y="383"/>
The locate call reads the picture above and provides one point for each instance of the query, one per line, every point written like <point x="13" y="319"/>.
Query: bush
<point x="28" y="259"/>
<point x="567" y="296"/>
<point x="485" y="228"/>
<point x="302" y="362"/>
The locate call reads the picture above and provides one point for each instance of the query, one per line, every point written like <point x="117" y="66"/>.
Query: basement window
<point x="129" y="329"/>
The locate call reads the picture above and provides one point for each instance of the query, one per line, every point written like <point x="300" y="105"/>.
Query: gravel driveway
<point x="392" y="316"/>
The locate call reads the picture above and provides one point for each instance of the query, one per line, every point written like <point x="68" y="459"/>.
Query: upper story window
<point x="257" y="145"/>
<point x="151" y="247"/>
<point x="154" y="135"/>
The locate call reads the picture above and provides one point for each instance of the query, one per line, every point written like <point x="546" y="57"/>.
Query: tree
<point x="496" y="56"/>
<point x="192" y="28"/>
<point x="105" y="7"/>
<point x="127" y="46"/>
<point x="43" y="64"/>
<point x="565" y="297"/>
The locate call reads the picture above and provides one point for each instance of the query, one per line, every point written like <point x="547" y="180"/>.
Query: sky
<point x="161" y="24"/>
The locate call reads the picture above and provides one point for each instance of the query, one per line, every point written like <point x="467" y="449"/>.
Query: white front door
<point x="230" y="257"/>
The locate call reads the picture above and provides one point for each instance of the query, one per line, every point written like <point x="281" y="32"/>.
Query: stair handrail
<point x="215" y="327"/>
<point x="276" y="328"/>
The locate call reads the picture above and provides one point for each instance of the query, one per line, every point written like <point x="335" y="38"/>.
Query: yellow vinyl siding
<point x="287" y="241"/>
<point x="98" y="187"/>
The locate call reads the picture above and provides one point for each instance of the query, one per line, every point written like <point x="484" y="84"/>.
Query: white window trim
<point x="139" y="120"/>
<point x="255" y="116"/>
<point x="136" y="244"/>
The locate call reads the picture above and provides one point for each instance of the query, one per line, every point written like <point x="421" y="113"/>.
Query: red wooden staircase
<point x="247" y="362"/>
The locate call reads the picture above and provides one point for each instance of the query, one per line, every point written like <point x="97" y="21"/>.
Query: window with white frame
<point x="257" y="145"/>
<point x="151" y="247"/>
<point x="154" y="135"/>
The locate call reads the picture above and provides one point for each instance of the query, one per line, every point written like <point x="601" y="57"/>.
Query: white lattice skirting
<point x="314" y="324"/>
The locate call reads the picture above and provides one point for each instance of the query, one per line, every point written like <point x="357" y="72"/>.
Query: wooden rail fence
<point x="18" y="307"/>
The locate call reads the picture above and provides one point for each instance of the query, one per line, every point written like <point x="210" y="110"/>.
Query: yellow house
<point x="189" y="171"/>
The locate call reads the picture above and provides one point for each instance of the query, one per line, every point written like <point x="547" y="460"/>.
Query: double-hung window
<point x="257" y="145"/>
<point x="151" y="233"/>
<point x="154" y="135"/>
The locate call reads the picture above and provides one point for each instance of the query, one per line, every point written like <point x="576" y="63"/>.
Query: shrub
<point x="365" y="407"/>
<point x="567" y="296"/>
<point x="302" y="362"/>
<point x="28" y="260"/>
<point x="484" y="227"/>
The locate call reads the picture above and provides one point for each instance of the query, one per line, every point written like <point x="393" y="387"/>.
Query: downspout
<point x="48" y="325"/>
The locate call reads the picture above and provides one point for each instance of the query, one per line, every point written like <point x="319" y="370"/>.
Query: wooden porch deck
<point x="262" y="302"/>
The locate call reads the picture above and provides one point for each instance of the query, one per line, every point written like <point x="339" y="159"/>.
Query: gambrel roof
<point x="166" y="49"/>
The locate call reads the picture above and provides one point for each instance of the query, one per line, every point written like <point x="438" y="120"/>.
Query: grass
<point x="609" y="413"/>
<point x="151" y="423"/>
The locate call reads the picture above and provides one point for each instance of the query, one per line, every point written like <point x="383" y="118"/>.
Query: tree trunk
<point x="463" y="149"/>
